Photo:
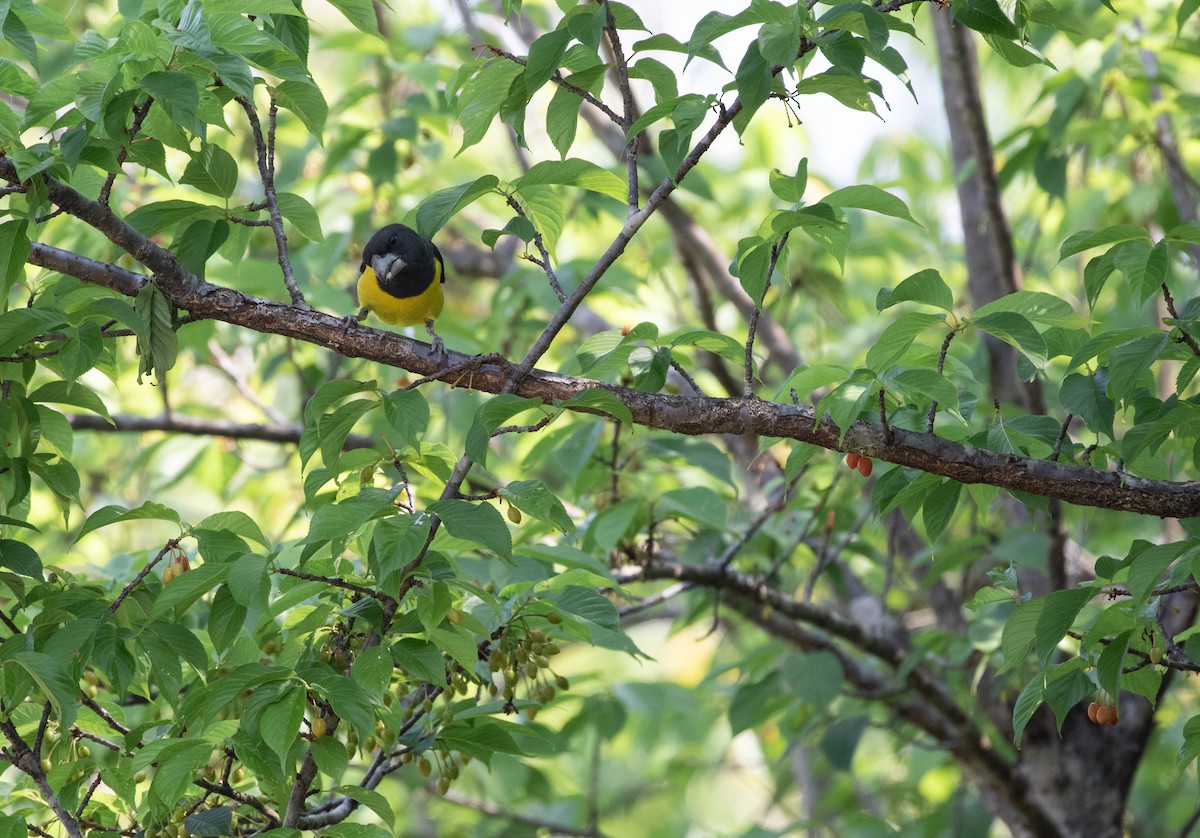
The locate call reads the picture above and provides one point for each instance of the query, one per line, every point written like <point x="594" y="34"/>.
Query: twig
<point x="87" y="796"/>
<point x="675" y="365"/>
<point x="172" y="544"/>
<point x="1184" y="337"/>
<point x="655" y="600"/>
<point x="109" y="720"/>
<point x="336" y="582"/>
<point x="621" y="68"/>
<point x="776" y="249"/>
<point x="139" y="114"/>
<point x="196" y="426"/>
<point x="1062" y="434"/>
<point x="888" y="436"/>
<point x="225" y="790"/>
<point x="525" y="429"/>
<point x="27" y="761"/>
<point x="941" y="365"/>
<point x="558" y="79"/>
<point x="266" y="172"/>
<point x="544" y="262"/>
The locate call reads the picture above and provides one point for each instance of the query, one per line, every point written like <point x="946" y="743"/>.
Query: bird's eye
<point x="392" y="241"/>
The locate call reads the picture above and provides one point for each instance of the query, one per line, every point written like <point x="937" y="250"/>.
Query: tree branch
<point x="1074" y="484"/>
<point x="196" y="426"/>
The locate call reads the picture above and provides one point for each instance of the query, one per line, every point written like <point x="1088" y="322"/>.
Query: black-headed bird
<point x="401" y="281"/>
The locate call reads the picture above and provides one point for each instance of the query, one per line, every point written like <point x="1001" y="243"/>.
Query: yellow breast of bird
<point x="400" y="311"/>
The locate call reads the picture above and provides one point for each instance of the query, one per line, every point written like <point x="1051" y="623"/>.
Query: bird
<point x="400" y="280"/>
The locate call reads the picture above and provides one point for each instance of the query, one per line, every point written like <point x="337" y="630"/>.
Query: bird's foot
<point x="355" y="319"/>
<point x="439" y="353"/>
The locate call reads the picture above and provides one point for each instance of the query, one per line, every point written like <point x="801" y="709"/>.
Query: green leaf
<point x="939" y="506"/>
<point x="184" y="590"/>
<point x="491" y="415"/>
<point x="21" y="325"/>
<point x="573" y="171"/>
<point x="74" y="394"/>
<point x="81" y="350"/>
<point x="14" y="250"/>
<point x="157" y="344"/>
<point x="1016" y="53"/>
<point x="871" y="198"/>
<point x="250" y="582"/>
<point x="441" y="206"/>
<point x="361" y="13"/>
<point x="714" y="342"/>
<point x="925" y="286"/>
<point x="334" y="428"/>
<point x="1020" y="632"/>
<point x="790" y="189"/>
<point x="1085" y="396"/>
<point x="236" y="522"/>
<point x="420" y="659"/>
<point x="853" y="91"/>
<point x="279" y="723"/>
<point x="752" y="79"/>
<point x="1145" y="267"/>
<point x="898" y="337"/>
<point x="226" y="617"/>
<point x="210" y="823"/>
<point x="923" y="386"/>
<point x="1058" y="613"/>
<point x="755" y="702"/>
<point x="50" y="676"/>
<point x="545" y="57"/>
<point x="699" y="503"/>
<point x="176" y="93"/>
<point x="984" y="16"/>
<point x="562" y="118"/>
<point x="1026" y="705"/>
<point x="373" y="670"/>
<point x="1111" y="662"/>
<point x="546" y="210"/>
<point x="1088" y="239"/>
<point x="20" y="558"/>
<point x="533" y="498"/>
<point x="479" y="523"/>
<point x="372" y="799"/>
<point x="176" y="765"/>
<point x="1038" y="307"/>
<point x="298" y="212"/>
<point x="482" y="97"/>
<point x="599" y="400"/>
<point x="213" y="170"/>
<point x="1147" y="567"/>
<point x="305" y="99"/>
<point x="847" y="401"/>
<point x="154" y="218"/>
<point x="1015" y="330"/>
<point x="588" y="604"/>
<point x="114" y="514"/>
<point x="1127" y="363"/>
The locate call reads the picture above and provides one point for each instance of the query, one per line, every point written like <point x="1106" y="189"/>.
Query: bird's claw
<point x="439" y="353"/>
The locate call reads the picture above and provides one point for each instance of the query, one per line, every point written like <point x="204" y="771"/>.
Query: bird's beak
<point x="387" y="265"/>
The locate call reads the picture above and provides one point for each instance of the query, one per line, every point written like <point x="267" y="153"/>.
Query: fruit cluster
<point x="178" y="566"/>
<point x="526" y="656"/>
<point x="1102" y="713"/>
<point x="860" y="462"/>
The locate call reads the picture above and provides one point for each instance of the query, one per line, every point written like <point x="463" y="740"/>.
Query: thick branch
<point x="701" y="416"/>
<point x="934" y="710"/>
